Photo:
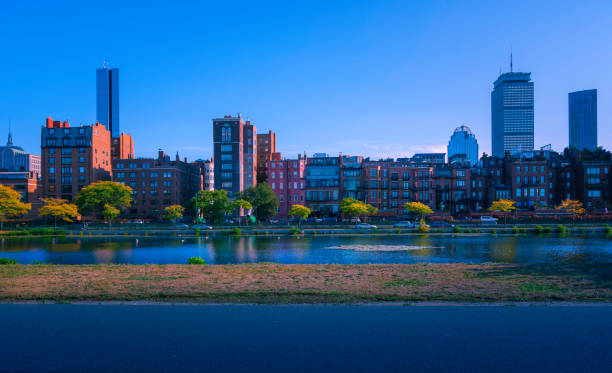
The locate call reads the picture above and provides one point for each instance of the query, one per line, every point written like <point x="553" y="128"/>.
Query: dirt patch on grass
<point x="280" y="283"/>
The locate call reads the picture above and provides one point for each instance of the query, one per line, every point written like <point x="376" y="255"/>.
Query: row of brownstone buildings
<point x="536" y="179"/>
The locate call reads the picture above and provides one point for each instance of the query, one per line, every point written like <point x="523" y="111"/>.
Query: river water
<point x="312" y="250"/>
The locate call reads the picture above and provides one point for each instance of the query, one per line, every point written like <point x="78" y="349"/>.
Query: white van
<point x="488" y="220"/>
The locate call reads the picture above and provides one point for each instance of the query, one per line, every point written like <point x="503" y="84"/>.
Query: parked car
<point x="274" y="221"/>
<point x="355" y="220"/>
<point x="181" y="225"/>
<point x="404" y="224"/>
<point x="488" y="220"/>
<point x="365" y="226"/>
<point x="441" y="224"/>
<point x="201" y="226"/>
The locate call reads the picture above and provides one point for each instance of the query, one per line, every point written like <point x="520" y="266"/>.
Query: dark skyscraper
<point x="583" y="119"/>
<point x="512" y="113"/>
<point x="107" y="99"/>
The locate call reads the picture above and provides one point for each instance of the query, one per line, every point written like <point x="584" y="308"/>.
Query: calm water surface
<point x="391" y="249"/>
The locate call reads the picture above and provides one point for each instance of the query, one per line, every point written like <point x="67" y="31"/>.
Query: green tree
<point x="262" y="199"/>
<point x="110" y="213"/>
<point x="95" y="198"/>
<point x="418" y="208"/>
<point x="239" y="204"/>
<point x="11" y="205"/>
<point x="212" y="205"/>
<point x="371" y="210"/>
<point x="299" y="211"/>
<point x="352" y="207"/>
<point x="503" y="205"/>
<point x="173" y="213"/>
<point x="59" y="209"/>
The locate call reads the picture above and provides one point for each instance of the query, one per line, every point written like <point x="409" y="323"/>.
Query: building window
<point x="226" y="157"/>
<point x="226" y="134"/>
<point x="81" y="150"/>
<point x="51" y="160"/>
<point x="154" y="175"/>
<point x="120" y="166"/>
<point x="66" y="160"/>
<point x="81" y="170"/>
<point x="66" y="170"/>
<point x="66" y="151"/>
<point x="81" y="131"/>
<point x="226" y="148"/>
<point x="51" y="142"/>
<point x="51" y="170"/>
<point x="226" y="166"/>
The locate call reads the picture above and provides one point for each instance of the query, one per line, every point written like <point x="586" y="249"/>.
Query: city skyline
<point x="370" y="106"/>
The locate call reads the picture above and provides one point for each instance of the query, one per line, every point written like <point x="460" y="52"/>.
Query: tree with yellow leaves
<point x="59" y="209"/>
<point x="573" y="206"/>
<point x="11" y="205"/>
<point x="418" y="208"/>
<point x="503" y="205"/>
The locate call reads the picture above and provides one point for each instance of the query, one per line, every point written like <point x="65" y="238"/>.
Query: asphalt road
<point x="248" y="338"/>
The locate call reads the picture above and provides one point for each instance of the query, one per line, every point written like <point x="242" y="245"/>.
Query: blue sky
<point x="375" y="78"/>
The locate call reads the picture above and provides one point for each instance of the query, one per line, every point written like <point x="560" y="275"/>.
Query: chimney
<point x="49" y="122"/>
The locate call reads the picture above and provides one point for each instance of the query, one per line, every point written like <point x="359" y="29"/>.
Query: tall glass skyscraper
<point x="107" y="99"/>
<point x="463" y="146"/>
<point x="512" y="113"/>
<point x="583" y="119"/>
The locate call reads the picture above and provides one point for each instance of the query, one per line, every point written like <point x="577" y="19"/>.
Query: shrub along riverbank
<point x="295" y="231"/>
<point x="279" y="283"/>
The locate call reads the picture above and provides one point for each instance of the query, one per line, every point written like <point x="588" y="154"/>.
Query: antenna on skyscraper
<point x="105" y="65"/>
<point x="510" y="58"/>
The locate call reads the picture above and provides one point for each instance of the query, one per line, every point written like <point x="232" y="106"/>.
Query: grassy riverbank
<point x="278" y="283"/>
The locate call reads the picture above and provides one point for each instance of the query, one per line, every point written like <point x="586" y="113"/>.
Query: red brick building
<point x="122" y="147"/>
<point x="157" y="183"/>
<point x="266" y="145"/>
<point x="287" y="180"/>
<point x="73" y="157"/>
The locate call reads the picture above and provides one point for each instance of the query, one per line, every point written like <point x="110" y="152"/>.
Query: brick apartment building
<point x="266" y="146"/>
<point x="250" y="154"/>
<point x="27" y="184"/>
<point x="287" y="179"/>
<point x="157" y="183"/>
<point x="592" y="178"/>
<point x="323" y="190"/>
<point x="207" y="173"/>
<point x="73" y="157"/>
<point x="122" y="147"/>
